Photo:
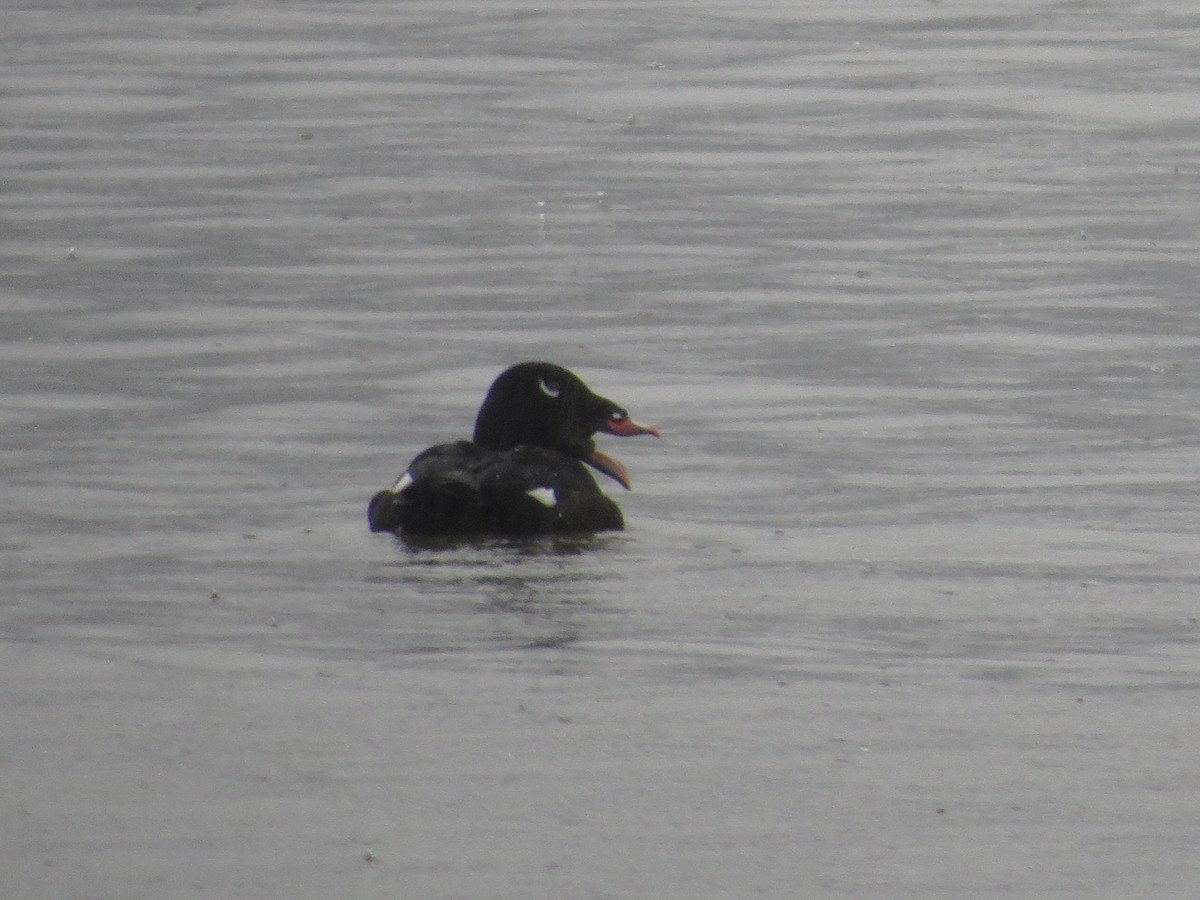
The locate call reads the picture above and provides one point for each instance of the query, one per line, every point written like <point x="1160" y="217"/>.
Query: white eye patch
<point x="550" y="388"/>
<point x="543" y="495"/>
<point x="401" y="483"/>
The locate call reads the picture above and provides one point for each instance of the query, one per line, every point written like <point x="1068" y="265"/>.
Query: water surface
<point x="907" y="602"/>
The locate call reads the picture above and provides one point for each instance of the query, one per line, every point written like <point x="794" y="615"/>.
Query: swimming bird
<point x="523" y="471"/>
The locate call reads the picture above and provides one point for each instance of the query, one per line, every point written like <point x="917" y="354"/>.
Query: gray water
<point x="907" y="605"/>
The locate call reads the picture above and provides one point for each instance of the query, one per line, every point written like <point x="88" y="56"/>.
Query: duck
<point x="526" y="471"/>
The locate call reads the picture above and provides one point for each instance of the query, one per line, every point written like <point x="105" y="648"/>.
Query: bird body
<point x="523" y="472"/>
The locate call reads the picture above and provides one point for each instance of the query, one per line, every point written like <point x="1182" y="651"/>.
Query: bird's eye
<point x="550" y="388"/>
<point x="618" y="416"/>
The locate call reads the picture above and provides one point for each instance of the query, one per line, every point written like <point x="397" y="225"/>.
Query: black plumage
<point x="523" y="472"/>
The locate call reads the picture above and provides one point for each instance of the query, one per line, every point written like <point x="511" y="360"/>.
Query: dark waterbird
<point x="522" y="472"/>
